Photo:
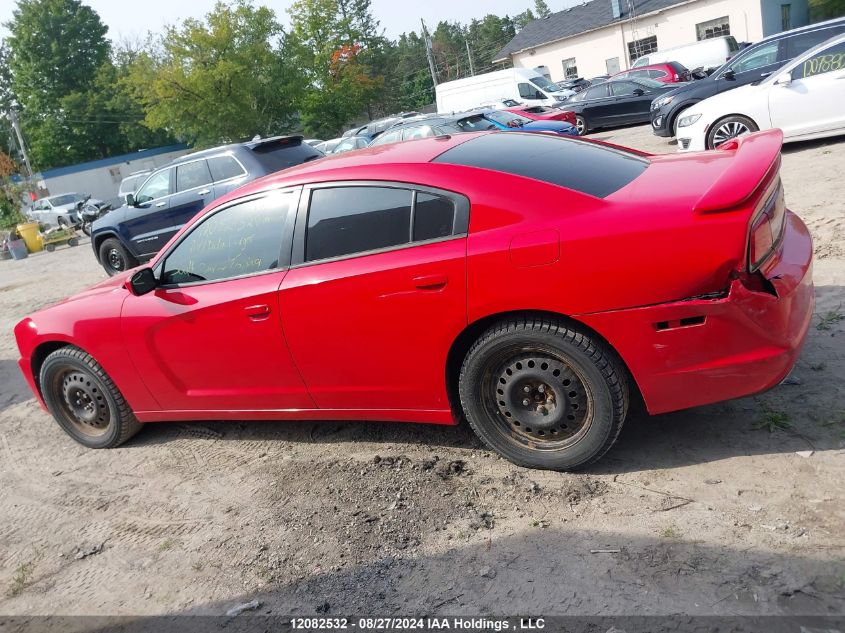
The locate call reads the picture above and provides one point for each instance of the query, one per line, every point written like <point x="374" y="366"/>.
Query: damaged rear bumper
<point x="704" y="350"/>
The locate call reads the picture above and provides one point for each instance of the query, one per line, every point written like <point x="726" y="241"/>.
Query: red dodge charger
<point x="531" y="284"/>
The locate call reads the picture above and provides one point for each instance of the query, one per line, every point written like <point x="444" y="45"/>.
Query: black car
<point x="749" y="65"/>
<point x="614" y="102"/>
<point x="173" y="194"/>
<point x="576" y="85"/>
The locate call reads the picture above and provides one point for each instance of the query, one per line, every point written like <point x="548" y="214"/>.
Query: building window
<point x="639" y="48"/>
<point x="713" y="28"/>
<point x="786" y="16"/>
<point x="570" y="70"/>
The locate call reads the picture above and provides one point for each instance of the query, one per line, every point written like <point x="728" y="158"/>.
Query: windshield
<point x="544" y="84"/>
<point x="68" y="198"/>
<point x="507" y="118"/>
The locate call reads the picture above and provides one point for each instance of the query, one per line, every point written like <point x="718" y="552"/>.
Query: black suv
<point x="749" y="65"/>
<point x="173" y="194"/>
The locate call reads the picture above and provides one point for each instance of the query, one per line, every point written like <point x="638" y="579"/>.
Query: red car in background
<point x="668" y="73"/>
<point x="543" y="113"/>
<point x="450" y="277"/>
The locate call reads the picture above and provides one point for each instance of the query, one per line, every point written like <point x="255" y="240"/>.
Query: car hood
<point x="110" y="219"/>
<point x="686" y="86"/>
<point x="724" y="102"/>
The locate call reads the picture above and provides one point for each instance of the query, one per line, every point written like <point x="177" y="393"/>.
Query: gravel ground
<point x="696" y="512"/>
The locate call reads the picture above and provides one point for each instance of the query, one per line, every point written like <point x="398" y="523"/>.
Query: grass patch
<point x="829" y="319"/>
<point x="166" y="544"/>
<point x="20" y="580"/>
<point x="773" y="421"/>
<point x="670" y="531"/>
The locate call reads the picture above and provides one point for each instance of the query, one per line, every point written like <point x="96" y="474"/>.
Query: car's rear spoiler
<point x="756" y="157"/>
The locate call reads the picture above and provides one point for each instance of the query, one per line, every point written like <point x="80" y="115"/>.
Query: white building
<point x="101" y="178"/>
<point x="605" y="36"/>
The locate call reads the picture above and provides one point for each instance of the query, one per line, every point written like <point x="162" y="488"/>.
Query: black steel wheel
<point x="114" y="257"/>
<point x="84" y="401"/>
<point x="543" y="395"/>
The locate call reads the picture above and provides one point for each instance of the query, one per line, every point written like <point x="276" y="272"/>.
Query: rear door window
<point x="596" y="92"/>
<point x="348" y="220"/>
<point x="802" y="42"/>
<point x="192" y="175"/>
<point x="224" y="167"/>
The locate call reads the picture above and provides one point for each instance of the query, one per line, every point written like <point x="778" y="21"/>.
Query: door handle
<point x="160" y="204"/>
<point x="260" y="311"/>
<point x="204" y="191"/>
<point x="431" y="282"/>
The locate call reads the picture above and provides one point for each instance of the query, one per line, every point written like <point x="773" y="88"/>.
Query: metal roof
<point x="111" y="160"/>
<point x="583" y="17"/>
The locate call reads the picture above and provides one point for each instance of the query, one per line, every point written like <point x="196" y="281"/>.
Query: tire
<point x="577" y="396"/>
<point x="581" y="124"/>
<point x="49" y="247"/>
<point x="84" y="401"/>
<point x="73" y="242"/>
<point x="675" y="120"/>
<point x="729" y="128"/>
<point x="62" y="223"/>
<point x="114" y="257"/>
<point x="86" y="228"/>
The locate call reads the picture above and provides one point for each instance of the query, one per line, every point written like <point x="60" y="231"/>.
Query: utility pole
<point x="469" y="57"/>
<point x="429" y="53"/>
<point x="16" y="126"/>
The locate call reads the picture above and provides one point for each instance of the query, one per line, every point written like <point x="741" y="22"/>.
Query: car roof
<point x="232" y="147"/>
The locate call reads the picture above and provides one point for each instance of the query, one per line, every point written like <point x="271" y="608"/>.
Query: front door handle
<point x="431" y="282"/>
<point x="260" y="311"/>
<point x="160" y="204"/>
<point x="203" y="192"/>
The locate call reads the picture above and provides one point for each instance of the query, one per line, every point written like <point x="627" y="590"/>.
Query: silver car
<point x="60" y="210"/>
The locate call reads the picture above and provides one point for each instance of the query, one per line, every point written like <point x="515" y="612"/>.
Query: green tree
<point x="521" y="19"/>
<point x="216" y="80"/>
<point x="339" y="49"/>
<point x="541" y="9"/>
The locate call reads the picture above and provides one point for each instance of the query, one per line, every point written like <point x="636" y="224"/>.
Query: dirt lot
<point x="699" y="512"/>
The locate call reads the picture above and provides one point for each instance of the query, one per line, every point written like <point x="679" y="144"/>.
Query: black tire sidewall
<point x="584" y="124"/>
<point x="585" y="450"/>
<point x="105" y="247"/>
<point x="56" y="363"/>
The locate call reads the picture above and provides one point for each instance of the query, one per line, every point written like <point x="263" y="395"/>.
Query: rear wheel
<point x="84" y="401"/>
<point x="543" y="395"/>
<point x="115" y="258"/>
<point x="581" y="124"/>
<point x="729" y="128"/>
<point x="73" y="242"/>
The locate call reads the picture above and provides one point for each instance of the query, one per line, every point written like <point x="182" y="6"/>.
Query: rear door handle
<point x="259" y="311"/>
<point x="431" y="282"/>
<point x="204" y="191"/>
<point x="160" y="204"/>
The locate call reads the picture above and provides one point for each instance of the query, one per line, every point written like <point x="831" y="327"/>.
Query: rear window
<point x="578" y="165"/>
<point x="283" y="153"/>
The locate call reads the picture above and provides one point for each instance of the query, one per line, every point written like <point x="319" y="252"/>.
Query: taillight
<point x="766" y="229"/>
<point x="677" y="78"/>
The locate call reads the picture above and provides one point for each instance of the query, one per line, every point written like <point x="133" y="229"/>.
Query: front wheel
<point x="581" y="124"/>
<point x="729" y="128"/>
<point x="115" y="258"/>
<point x="544" y="395"/>
<point x="84" y="401"/>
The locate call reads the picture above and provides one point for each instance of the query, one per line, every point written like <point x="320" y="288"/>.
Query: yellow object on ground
<point x="29" y="234"/>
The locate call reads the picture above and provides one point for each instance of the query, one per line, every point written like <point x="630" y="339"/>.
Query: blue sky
<point x="134" y="18"/>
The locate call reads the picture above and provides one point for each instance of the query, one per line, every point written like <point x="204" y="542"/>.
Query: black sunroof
<point x="591" y="169"/>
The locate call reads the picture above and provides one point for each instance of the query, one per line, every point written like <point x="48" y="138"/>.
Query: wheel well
<point x="465" y="340"/>
<point x="99" y="239"/>
<point x="678" y="112"/>
<point x="40" y="354"/>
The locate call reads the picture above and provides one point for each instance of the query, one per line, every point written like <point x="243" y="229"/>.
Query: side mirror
<point x="130" y="199"/>
<point x="783" y="80"/>
<point x="729" y="74"/>
<point x="639" y="92"/>
<point x="142" y="282"/>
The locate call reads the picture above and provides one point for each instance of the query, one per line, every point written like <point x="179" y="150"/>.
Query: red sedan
<point x="543" y="113"/>
<point x="532" y="284"/>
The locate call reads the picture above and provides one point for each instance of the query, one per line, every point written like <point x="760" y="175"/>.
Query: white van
<point x="523" y="84"/>
<point x="706" y="54"/>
